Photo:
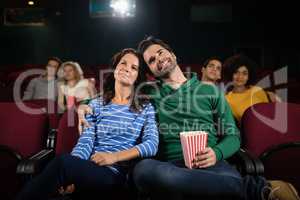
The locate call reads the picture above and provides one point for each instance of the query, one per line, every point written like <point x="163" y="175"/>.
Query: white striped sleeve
<point x="85" y="144"/>
<point x="149" y="145"/>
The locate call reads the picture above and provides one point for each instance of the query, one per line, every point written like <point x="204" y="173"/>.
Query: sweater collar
<point x="192" y="79"/>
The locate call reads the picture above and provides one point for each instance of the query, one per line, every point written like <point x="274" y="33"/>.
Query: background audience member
<point x="211" y="70"/>
<point x="74" y="88"/>
<point x="243" y="92"/>
<point x="45" y="86"/>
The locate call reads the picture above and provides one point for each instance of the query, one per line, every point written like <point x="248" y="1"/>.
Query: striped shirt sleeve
<point x="85" y="144"/>
<point x="149" y="145"/>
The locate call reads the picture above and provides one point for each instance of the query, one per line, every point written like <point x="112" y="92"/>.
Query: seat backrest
<point x="10" y="182"/>
<point x="23" y="132"/>
<point x="6" y="94"/>
<point x="67" y="133"/>
<point x="51" y="108"/>
<point x="267" y="125"/>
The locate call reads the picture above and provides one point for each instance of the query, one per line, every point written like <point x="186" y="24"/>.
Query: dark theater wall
<point x="72" y="35"/>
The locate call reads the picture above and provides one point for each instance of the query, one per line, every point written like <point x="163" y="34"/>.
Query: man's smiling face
<point x="160" y="61"/>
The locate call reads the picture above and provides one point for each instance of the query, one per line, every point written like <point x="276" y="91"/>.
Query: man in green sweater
<point x="183" y="103"/>
<point x="194" y="106"/>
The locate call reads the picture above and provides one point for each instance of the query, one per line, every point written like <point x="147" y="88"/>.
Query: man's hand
<point x="82" y="111"/>
<point x="205" y="158"/>
<point x="103" y="159"/>
<point x="68" y="190"/>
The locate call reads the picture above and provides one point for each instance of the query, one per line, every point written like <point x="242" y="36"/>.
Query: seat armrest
<point x="51" y="139"/>
<point x="258" y="164"/>
<point x="243" y="162"/>
<point x="10" y="151"/>
<point x="35" y="163"/>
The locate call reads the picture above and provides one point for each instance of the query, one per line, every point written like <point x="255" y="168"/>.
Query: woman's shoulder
<point x="96" y="105"/>
<point x="96" y="102"/>
<point x="82" y="82"/>
<point x="228" y="94"/>
<point x="257" y="90"/>
<point x="260" y="93"/>
<point x="234" y="97"/>
<point x="62" y="85"/>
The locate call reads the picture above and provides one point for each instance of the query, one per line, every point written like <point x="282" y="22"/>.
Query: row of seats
<point x="9" y="74"/>
<point x="28" y="131"/>
<point x="29" y="141"/>
<point x="269" y="131"/>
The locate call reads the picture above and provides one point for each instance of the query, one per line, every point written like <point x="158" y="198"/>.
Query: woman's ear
<point x="174" y="56"/>
<point x="115" y="72"/>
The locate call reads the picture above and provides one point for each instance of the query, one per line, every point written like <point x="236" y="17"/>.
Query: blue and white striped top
<point x="115" y="128"/>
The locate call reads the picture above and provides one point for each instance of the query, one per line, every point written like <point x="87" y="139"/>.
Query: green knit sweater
<point x="192" y="107"/>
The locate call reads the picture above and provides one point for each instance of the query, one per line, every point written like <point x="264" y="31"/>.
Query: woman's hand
<point x="205" y="158"/>
<point x="103" y="159"/>
<point x="82" y="111"/>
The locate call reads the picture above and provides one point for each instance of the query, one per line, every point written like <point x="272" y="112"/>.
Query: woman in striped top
<point x="122" y="128"/>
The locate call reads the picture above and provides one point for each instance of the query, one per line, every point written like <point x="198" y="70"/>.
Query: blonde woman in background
<point x="74" y="87"/>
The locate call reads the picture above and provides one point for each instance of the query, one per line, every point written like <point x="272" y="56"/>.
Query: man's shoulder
<point x="151" y="87"/>
<point x="208" y="89"/>
<point x="37" y="79"/>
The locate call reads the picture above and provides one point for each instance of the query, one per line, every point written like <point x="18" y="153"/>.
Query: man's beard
<point x="165" y="73"/>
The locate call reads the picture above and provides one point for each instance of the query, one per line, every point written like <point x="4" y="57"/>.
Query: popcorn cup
<point x="192" y="142"/>
<point x="70" y="101"/>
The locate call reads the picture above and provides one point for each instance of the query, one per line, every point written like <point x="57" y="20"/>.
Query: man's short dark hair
<point x="55" y="59"/>
<point x="144" y="44"/>
<point x="210" y="59"/>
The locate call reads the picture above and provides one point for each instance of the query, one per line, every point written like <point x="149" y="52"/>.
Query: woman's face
<point x="240" y="76"/>
<point x="127" y="69"/>
<point x="69" y="73"/>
